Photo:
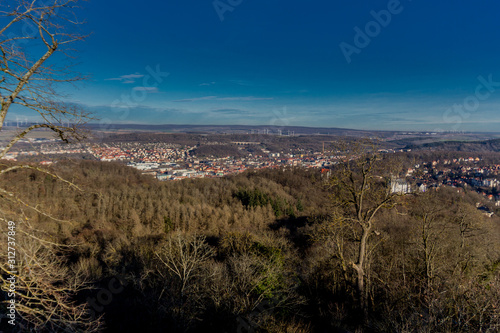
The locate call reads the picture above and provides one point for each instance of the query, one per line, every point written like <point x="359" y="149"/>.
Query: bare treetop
<point x="32" y="33"/>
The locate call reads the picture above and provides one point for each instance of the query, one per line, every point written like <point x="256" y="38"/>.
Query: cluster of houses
<point x="135" y="152"/>
<point x="45" y="149"/>
<point x="167" y="162"/>
<point x="460" y="173"/>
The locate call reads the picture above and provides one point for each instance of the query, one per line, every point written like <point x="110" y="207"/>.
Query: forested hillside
<point x="466" y="146"/>
<point x="267" y="251"/>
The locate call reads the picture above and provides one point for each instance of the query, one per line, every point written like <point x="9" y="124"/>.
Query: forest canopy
<point x="265" y="251"/>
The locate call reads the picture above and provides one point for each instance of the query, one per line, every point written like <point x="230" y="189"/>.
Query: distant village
<point x="167" y="162"/>
<point x="459" y="173"/>
<point x="170" y="162"/>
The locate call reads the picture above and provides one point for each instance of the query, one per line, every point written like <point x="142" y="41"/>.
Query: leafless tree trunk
<point x="466" y="221"/>
<point x="183" y="256"/>
<point x="360" y="188"/>
<point x="29" y="76"/>
<point x="44" y="286"/>
<point x="33" y="32"/>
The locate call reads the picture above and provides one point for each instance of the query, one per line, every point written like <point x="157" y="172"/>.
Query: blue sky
<point x="281" y="63"/>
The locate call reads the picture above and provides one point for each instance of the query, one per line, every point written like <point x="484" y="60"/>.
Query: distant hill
<point x="308" y="138"/>
<point x="242" y="129"/>
<point x="468" y="146"/>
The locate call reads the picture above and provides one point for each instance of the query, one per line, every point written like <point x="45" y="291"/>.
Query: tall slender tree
<point x="360" y="190"/>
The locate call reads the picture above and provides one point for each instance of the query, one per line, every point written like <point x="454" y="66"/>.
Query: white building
<point x="400" y="186"/>
<point x="490" y="182"/>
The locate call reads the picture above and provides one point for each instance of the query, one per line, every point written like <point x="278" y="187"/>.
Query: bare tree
<point x="360" y="190"/>
<point x="431" y="222"/>
<point x="184" y="256"/>
<point x="44" y="286"/>
<point x="35" y="48"/>
<point x="35" y="61"/>
<point x="466" y="220"/>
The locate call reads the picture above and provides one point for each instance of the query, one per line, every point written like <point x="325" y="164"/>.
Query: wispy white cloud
<point x="216" y="98"/>
<point x="230" y="111"/>
<point x="128" y="78"/>
<point x="132" y="76"/>
<point x="147" y="89"/>
<point x="196" y="99"/>
<point x="207" y="84"/>
<point x="245" y="98"/>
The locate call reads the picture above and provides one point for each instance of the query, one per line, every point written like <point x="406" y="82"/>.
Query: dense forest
<point x="470" y="146"/>
<point x="268" y="251"/>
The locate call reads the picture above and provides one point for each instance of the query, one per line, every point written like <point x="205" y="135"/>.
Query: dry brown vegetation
<point x="262" y="251"/>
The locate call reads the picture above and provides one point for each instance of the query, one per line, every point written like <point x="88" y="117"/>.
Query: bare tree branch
<point x="31" y="76"/>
